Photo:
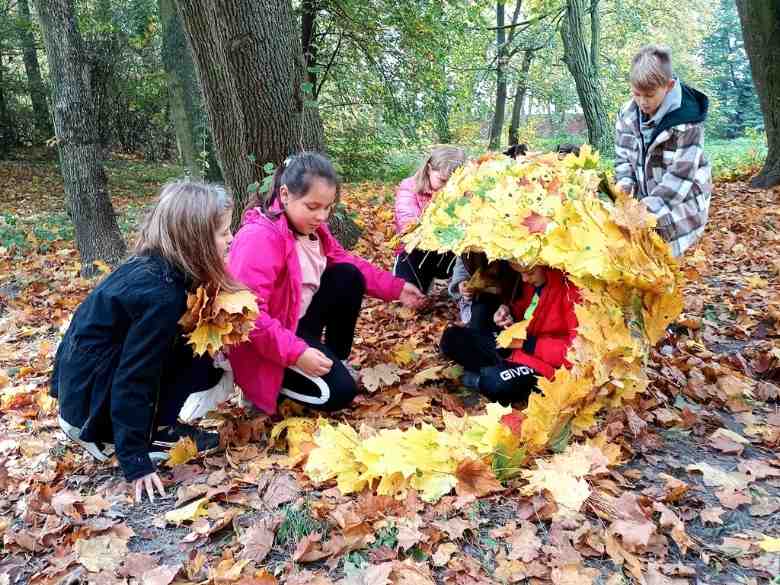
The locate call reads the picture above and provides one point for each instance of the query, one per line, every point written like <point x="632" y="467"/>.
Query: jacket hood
<point x="692" y="110"/>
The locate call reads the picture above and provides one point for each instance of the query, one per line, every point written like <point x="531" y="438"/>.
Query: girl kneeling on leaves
<point x="540" y="294"/>
<point x="305" y="284"/>
<point x="123" y="369"/>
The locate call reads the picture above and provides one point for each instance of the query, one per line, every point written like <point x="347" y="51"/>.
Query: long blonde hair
<point x="181" y="227"/>
<point x="444" y="158"/>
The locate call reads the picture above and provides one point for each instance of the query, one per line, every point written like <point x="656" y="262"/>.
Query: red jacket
<point x="554" y="324"/>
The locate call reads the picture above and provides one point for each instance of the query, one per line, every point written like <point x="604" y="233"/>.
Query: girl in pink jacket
<point x="411" y="198"/>
<point x="306" y="285"/>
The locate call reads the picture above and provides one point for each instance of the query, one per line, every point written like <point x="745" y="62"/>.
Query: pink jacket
<point x="264" y="258"/>
<point x="409" y="204"/>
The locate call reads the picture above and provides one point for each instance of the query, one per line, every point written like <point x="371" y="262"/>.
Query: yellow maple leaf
<point x="235" y="302"/>
<point x="190" y="512"/>
<point x="183" y="451"/>
<point x="769" y="544"/>
<point x="513" y="335"/>
<point x="300" y="431"/>
<point x="207" y="337"/>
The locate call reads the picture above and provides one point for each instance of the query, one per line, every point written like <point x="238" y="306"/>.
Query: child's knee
<point x="348" y="276"/>
<point x="450" y="339"/>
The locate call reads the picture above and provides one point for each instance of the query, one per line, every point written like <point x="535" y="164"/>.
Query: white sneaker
<point x="100" y="451"/>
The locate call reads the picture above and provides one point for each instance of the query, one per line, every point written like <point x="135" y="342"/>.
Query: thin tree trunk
<point x="761" y="31"/>
<point x="183" y="90"/>
<point x="580" y="65"/>
<point x="76" y="126"/>
<point x="520" y="89"/>
<point x="43" y="126"/>
<point x="7" y="132"/>
<point x="250" y="65"/>
<point x="494" y="141"/>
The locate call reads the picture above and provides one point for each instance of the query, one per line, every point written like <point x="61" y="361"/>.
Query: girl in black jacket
<point x="123" y="370"/>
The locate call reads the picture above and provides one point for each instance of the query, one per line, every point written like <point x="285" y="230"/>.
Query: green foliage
<point x="734" y="103"/>
<point x="298" y="522"/>
<point x="736" y="158"/>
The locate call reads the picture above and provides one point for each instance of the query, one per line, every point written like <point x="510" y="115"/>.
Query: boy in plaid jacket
<point x="659" y="156"/>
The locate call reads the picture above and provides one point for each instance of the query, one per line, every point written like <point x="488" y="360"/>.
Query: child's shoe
<point x="167" y="437"/>
<point x="100" y="451"/>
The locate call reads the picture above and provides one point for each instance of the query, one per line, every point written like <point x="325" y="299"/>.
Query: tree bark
<point x="43" y="127"/>
<point x="580" y="64"/>
<point x="308" y="29"/>
<point x="494" y="141"/>
<point x="520" y="89"/>
<point x="189" y="118"/>
<point x="76" y="127"/>
<point x="761" y="31"/>
<point x="7" y="131"/>
<point x="250" y="65"/>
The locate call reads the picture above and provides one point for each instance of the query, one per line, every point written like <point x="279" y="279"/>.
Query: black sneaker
<point x="169" y="436"/>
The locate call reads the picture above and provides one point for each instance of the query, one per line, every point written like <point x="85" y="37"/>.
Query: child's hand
<point x="465" y="290"/>
<point x="412" y="297"/>
<point x="503" y="317"/>
<point x="149" y="482"/>
<point x="314" y="363"/>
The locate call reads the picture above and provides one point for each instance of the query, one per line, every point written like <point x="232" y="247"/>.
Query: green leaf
<point x="269" y="168"/>
<point x="253" y="187"/>
<point x="252" y="157"/>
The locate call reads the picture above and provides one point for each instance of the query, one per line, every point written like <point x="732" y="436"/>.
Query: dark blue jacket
<point x="110" y="365"/>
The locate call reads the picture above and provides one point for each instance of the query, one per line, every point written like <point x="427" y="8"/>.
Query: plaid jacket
<point x="675" y="181"/>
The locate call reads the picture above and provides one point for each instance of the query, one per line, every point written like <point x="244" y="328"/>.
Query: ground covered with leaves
<point x="689" y="494"/>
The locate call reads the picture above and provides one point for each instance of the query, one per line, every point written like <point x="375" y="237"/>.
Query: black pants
<point x="184" y="374"/>
<point x="334" y="312"/>
<point x="420" y="267"/>
<point x="499" y="380"/>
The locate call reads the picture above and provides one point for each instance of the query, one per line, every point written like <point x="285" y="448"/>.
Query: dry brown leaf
<point x="454" y="527"/>
<point x="476" y="478"/>
<point x="380" y="376"/>
<point x="105" y="552"/>
<point x="259" y="539"/>
<point x="136" y="564"/>
<point x="525" y="545"/>
<point x="712" y="515"/>
<point x="574" y="575"/>
<point x="162" y="575"/>
<point x="444" y="553"/>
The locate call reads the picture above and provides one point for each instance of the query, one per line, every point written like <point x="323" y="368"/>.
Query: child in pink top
<point x="309" y="291"/>
<point x="411" y="198"/>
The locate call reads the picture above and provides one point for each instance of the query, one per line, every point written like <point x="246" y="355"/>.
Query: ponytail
<point x="296" y="173"/>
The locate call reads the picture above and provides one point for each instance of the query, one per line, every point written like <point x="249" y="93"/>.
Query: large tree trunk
<point x="43" y="127"/>
<point x="520" y="89"/>
<point x="88" y="202"/>
<point x="494" y="141"/>
<point x="761" y="31"/>
<point x="581" y="66"/>
<point x="251" y="67"/>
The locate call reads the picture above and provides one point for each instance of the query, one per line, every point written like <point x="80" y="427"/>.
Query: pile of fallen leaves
<point x="217" y="319"/>
<point x="679" y="486"/>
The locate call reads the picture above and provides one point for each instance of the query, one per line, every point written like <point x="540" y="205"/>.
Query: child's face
<point x="650" y="100"/>
<point x="309" y="212"/>
<point x="437" y="178"/>
<point x="533" y="276"/>
<point x="224" y="236"/>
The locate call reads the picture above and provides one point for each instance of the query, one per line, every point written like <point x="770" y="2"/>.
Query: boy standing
<point x="659" y="157"/>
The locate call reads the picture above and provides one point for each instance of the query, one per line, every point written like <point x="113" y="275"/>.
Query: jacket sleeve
<point x="135" y="388"/>
<point x="553" y="348"/>
<point x="406" y="209"/>
<point x="257" y="260"/>
<point x="625" y="143"/>
<point x="459" y="274"/>
<point x="672" y="193"/>
<point x="380" y="284"/>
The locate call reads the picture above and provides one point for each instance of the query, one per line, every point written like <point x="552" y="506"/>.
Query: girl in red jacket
<point x="544" y="296"/>
<point x="309" y="291"/>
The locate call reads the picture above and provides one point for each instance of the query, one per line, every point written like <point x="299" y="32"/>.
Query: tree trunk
<point x="75" y="123"/>
<point x="251" y="67"/>
<point x="308" y="29"/>
<point x="580" y="65"/>
<point x="761" y="31"/>
<point x="494" y="141"/>
<point x="520" y="89"/>
<point x="7" y="132"/>
<point x="43" y="127"/>
<point x="189" y="119"/>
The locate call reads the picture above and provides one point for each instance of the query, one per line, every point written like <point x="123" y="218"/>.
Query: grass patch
<point x="298" y="523"/>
